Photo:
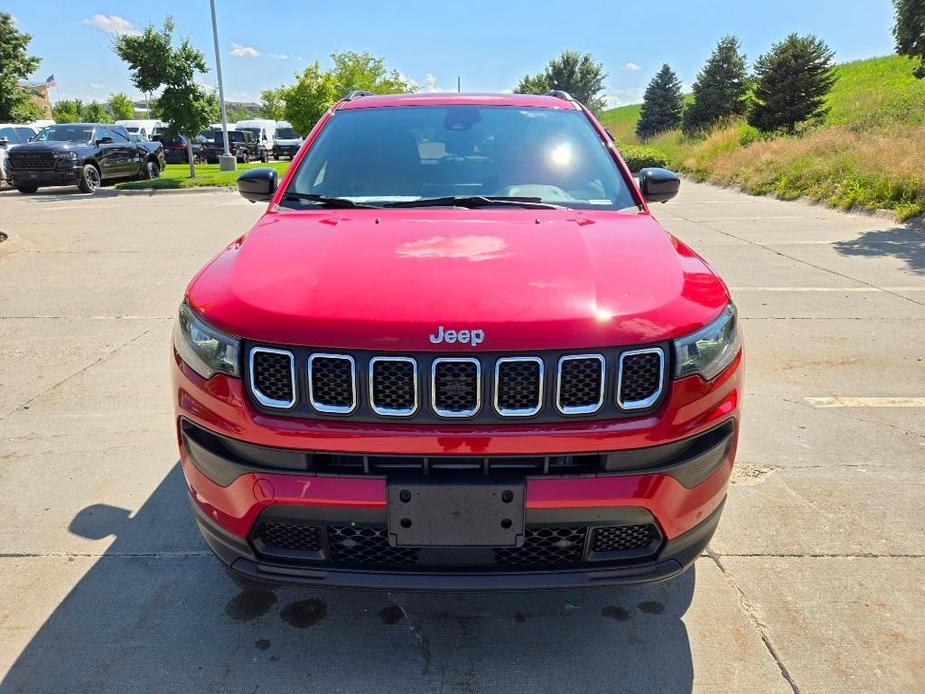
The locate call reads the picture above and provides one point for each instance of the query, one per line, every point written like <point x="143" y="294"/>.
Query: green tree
<point x="309" y="98"/>
<point x="792" y="81"/>
<point x="15" y="64"/>
<point x="273" y="103"/>
<point x="235" y="114"/>
<point x="661" y="104"/>
<point x="573" y="72"/>
<point x="121" y="107"/>
<point x="157" y="63"/>
<point x="67" y="111"/>
<point x="363" y="71"/>
<point x="95" y="112"/>
<point x="721" y="88"/>
<point x="909" y="31"/>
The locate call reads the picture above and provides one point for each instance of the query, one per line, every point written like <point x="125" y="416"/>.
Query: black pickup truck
<point x="82" y="154"/>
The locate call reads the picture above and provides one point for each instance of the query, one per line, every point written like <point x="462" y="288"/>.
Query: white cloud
<point x="112" y="24"/>
<point x="430" y="83"/>
<point x="277" y="56"/>
<point x="243" y="51"/>
<point x="97" y="85"/>
<point x="622" y="97"/>
<point x="632" y="67"/>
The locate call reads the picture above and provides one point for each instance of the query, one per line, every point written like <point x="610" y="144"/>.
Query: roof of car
<point x="454" y="99"/>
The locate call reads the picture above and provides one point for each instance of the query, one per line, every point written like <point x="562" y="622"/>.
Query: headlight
<point x="709" y="350"/>
<point x="66" y="155"/>
<point x="206" y="350"/>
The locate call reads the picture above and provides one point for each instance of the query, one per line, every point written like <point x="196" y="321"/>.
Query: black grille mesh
<point x="580" y="384"/>
<point x="620" y="538"/>
<point x="545" y="547"/>
<point x="640" y="376"/>
<point x="273" y="375"/>
<point x="456" y="386"/>
<point x="32" y="160"/>
<point x="393" y="385"/>
<point x="332" y="381"/>
<point x="289" y="536"/>
<point x="518" y="385"/>
<point x="364" y="544"/>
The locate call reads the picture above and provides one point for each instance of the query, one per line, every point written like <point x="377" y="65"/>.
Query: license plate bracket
<point x="481" y="514"/>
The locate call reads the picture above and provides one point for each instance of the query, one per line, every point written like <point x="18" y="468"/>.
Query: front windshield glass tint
<point x="382" y="155"/>
<point x="286" y="134"/>
<point x="65" y="133"/>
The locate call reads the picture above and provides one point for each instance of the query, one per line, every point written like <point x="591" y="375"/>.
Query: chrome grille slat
<point x="328" y="392"/>
<point x="518" y="399"/>
<point x="392" y="387"/>
<point x="260" y="375"/>
<point x="640" y="372"/>
<point x="455" y="390"/>
<point x="580" y="383"/>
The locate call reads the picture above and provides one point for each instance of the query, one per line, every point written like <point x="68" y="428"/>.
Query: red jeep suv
<point x="457" y="352"/>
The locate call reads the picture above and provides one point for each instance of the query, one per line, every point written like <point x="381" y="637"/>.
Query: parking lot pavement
<point x="812" y="582"/>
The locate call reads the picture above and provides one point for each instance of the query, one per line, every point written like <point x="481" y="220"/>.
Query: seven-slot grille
<point x="429" y="387"/>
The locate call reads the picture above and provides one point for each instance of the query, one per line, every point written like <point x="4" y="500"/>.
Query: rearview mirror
<point x="658" y="185"/>
<point x="258" y="185"/>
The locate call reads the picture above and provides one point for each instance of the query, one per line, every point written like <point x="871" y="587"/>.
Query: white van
<point x="145" y="128"/>
<point x="263" y="130"/>
<point x="286" y="141"/>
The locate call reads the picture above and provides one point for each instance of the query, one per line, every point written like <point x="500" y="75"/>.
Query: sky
<point x="488" y="45"/>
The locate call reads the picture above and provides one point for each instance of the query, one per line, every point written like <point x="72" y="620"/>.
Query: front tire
<point x="27" y="190"/>
<point x="89" y="179"/>
<point x="264" y="157"/>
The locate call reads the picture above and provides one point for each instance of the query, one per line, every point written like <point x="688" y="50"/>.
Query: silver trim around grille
<point x="580" y="409"/>
<point x="649" y="401"/>
<point x="388" y="411"/>
<point x="522" y="412"/>
<point x="333" y="409"/>
<point x="263" y="399"/>
<point x="478" y="387"/>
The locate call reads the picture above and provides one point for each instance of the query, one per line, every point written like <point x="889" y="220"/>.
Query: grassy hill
<point x="869" y="152"/>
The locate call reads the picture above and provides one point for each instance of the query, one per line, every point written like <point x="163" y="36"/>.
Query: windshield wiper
<point x="475" y="201"/>
<point x="324" y="200"/>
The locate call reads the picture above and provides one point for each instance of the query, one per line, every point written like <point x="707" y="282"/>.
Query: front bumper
<point x="681" y="496"/>
<point x="285" y="150"/>
<point x="44" y="177"/>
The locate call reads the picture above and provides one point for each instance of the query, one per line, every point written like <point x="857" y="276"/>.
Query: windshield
<point x="286" y="134"/>
<point x="390" y="155"/>
<point x="251" y="130"/>
<point x="65" y="133"/>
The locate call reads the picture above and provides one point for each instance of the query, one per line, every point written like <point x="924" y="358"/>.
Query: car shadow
<point x="906" y="243"/>
<point x="156" y="612"/>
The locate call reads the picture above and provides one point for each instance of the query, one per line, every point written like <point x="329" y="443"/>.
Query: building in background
<point x="40" y="95"/>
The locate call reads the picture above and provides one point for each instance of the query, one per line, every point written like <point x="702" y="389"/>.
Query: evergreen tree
<point x="793" y="79"/>
<point x="721" y="89"/>
<point x="909" y="31"/>
<point x="661" y="104"/>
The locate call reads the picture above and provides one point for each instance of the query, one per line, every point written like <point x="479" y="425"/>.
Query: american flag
<point x="50" y="82"/>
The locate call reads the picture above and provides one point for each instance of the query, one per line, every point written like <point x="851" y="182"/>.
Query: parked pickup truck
<point x="82" y="154"/>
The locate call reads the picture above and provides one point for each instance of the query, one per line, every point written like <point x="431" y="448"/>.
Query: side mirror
<point x="658" y="185"/>
<point x="105" y="141"/>
<point x="4" y="141"/>
<point x="258" y="185"/>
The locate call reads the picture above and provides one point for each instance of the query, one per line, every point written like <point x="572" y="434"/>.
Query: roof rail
<point x="356" y="94"/>
<point x="559" y="94"/>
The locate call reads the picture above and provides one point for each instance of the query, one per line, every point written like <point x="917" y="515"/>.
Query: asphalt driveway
<point x="812" y="583"/>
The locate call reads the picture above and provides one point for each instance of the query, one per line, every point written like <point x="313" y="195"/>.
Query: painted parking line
<point x="842" y="401"/>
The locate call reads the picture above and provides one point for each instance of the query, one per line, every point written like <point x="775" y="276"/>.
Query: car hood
<point x="387" y="279"/>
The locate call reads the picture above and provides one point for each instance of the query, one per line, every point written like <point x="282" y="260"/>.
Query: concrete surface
<point x="811" y="584"/>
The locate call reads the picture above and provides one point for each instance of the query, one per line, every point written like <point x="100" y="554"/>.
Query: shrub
<point x="640" y="156"/>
